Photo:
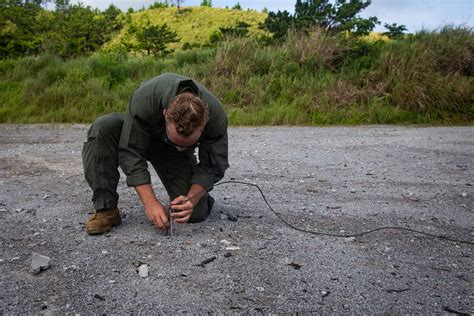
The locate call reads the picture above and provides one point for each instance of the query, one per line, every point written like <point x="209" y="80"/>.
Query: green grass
<point x="423" y="79"/>
<point x="194" y="25"/>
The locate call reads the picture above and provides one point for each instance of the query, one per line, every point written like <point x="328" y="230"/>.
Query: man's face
<point x="181" y="142"/>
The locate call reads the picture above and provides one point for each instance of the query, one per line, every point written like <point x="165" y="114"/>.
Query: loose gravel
<point x="243" y="259"/>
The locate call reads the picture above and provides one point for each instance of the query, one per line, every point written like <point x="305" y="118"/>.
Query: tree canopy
<point x="70" y="30"/>
<point x="340" y="16"/>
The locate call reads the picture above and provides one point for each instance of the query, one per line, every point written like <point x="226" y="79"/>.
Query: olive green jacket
<point x="144" y="124"/>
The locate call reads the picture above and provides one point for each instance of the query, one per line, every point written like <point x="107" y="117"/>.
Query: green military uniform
<point x="130" y="140"/>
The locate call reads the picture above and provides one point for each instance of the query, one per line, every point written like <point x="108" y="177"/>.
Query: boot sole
<point x="103" y="230"/>
<point x="98" y="231"/>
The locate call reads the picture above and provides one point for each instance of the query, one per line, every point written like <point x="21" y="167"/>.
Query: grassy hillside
<point x="194" y="25"/>
<point x="310" y="79"/>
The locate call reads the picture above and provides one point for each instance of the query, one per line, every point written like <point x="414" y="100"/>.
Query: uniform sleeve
<point x="213" y="158"/>
<point x="134" y="141"/>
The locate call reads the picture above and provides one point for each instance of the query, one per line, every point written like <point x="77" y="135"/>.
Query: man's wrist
<point x="195" y="194"/>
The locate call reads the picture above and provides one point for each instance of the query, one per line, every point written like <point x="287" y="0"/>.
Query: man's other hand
<point x="158" y="215"/>
<point x="182" y="209"/>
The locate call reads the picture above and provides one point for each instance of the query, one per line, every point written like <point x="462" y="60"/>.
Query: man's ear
<point x="164" y="113"/>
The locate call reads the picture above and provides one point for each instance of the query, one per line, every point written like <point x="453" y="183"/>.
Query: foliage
<point x="278" y="23"/>
<point x="237" y="6"/>
<point x="395" y="31"/>
<point x="19" y="30"/>
<point x="194" y="28"/>
<point x="206" y="3"/>
<point x="241" y="29"/>
<point x="159" y="5"/>
<point x="340" y="16"/>
<point x="177" y="3"/>
<point x="313" y="78"/>
<point x="71" y="30"/>
<point x="155" y="38"/>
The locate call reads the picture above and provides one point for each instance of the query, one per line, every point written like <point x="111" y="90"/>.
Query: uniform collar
<point x="179" y="86"/>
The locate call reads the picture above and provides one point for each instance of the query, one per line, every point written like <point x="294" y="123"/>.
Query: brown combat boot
<point x="103" y="221"/>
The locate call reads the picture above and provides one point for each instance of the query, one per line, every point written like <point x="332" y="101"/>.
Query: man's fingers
<point x="178" y="215"/>
<point x="179" y="200"/>
<point x="161" y="221"/>
<point x="183" y="220"/>
<point x="182" y="207"/>
<point x="164" y="221"/>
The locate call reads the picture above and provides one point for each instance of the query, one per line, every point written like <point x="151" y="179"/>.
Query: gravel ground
<point x="339" y="180"/>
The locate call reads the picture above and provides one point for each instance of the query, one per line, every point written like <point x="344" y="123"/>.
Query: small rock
<point x="232" y="248"/>
<point x="232" y="217"/>
<point x="225" y="242"/>
<point x="19" y="209"/>
<point x="295" y="265"/>
<point x="353" y="191"/>
<point x="14" y="259"/>
<point x="72" y="268"/>
<point x="99" y="297"/>
<point x="45" y="196"/>
<point x="303" y="208"/>
<point x="223" y="217"/>
<point x="112" y="281"/>
<point x="2" y="210"/>
<point x="349" y="239"/>
<point x="39" y="263"/>
<point x="227" y="255"/>
<point x="325" y="293"/>
<point x="260" y="288"/>
<point x="464" y="194"/>
<point x="143" y="271"/>
<point x="105" y="252"/>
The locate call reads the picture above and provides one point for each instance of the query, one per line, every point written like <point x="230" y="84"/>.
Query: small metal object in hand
<point x="170" y="210"/>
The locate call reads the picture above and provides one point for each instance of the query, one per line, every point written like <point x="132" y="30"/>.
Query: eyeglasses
<point x="178" y="147"/>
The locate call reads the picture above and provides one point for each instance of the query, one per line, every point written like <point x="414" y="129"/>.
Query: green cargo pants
<point x="100" y="162"/>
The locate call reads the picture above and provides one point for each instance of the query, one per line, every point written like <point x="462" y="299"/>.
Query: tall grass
<point x="311" y="79"/>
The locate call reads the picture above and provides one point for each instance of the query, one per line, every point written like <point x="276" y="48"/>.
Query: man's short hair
<point x="188" y="112"/>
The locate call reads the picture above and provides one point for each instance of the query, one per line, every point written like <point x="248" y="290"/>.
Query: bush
<point x="314" y="50"/>
<point x="310" y="79"/>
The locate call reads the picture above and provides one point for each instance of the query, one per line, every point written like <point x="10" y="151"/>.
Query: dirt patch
<point x="338" y="180"/>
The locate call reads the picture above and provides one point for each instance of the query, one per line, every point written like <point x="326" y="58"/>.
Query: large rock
<point x="39" y="263"/>
<point x="143" y="271"/>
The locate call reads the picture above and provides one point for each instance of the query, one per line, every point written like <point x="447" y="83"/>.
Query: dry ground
<point x="321" y="179"/>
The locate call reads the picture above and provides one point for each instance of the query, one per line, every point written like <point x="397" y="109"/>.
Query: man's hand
<point x="158" y="215"/>
<point x="183" y="208"/>
<point x="155" y="211"/>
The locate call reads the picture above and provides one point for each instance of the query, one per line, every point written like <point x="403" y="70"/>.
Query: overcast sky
<point x="415" y="14"/>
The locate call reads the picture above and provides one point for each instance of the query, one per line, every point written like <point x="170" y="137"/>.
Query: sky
<point x="414" y="14"/>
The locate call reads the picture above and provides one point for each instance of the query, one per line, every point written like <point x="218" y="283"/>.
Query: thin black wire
<point x="333" y="234"/>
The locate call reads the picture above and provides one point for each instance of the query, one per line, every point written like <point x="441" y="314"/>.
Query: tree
<point x="206" y="3"/>
<point x="154" y="39"/>
<point x="338" y="16"/>
<point x="237" y="6"/>
<point x="111" y="15"/>
<point x="20" y="32"/>
<point x="178" y="3"/>
<point x="241" y="29"/>
<point x="77" y="30"/>
<point x="159" y="5"/>
<point x="62" y="5"/>
<point x="395" y="31"/>
<point x="278" y="23"/>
